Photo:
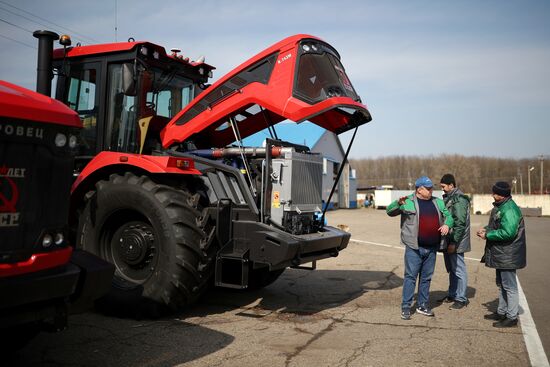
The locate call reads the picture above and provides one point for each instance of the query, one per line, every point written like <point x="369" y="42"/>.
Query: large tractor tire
<point x="157" y="236"/>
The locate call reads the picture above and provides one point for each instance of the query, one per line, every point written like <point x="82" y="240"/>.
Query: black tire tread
<point x="191" y="233"/>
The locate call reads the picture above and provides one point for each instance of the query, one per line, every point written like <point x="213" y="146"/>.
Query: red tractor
<point x="42" y="277"/>
<point x="165" y="189"/>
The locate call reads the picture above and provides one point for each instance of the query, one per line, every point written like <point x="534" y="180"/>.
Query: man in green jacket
<point x="424" y="222"/>
<point x="505" y="251"/>
<point x="458" y="242"/>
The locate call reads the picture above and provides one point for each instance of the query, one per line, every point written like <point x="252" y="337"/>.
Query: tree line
<point x="474" y="174"/>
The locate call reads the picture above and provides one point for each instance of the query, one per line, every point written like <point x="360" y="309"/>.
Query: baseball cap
<point x="424" y="181"/>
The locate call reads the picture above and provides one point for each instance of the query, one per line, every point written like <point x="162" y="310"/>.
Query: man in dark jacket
<point x="458" y="242"/>
<point x="505" y="251"/>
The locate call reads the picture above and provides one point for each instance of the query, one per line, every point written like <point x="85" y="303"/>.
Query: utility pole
<point x="541" y="158"/>
<point x="515" y="183"/>
<point x="521" y="182"/>
<point x="529" y="169"/>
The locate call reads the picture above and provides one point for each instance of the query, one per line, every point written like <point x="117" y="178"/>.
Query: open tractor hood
<point x="299" y="78"/>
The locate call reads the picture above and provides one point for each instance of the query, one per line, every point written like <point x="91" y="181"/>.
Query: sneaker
<point x="446" y="299"/>
<point x="458" y="305"/>
<point x="494" y="316"/>
<point x="506" y="323"/>
<point x="425" y="311"/>
<point x="406" y="314"/>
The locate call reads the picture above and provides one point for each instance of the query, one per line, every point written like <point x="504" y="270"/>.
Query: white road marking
<point x="530" y="334"/>
<point x="377" y="244"/>
<point x="537" y="356"/>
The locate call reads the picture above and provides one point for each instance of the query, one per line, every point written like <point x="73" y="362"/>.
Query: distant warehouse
<point x="381" y="196"/>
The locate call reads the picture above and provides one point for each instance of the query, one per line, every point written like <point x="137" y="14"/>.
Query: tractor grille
<point x="35" y="182"/>
<point x="307" y="173"/>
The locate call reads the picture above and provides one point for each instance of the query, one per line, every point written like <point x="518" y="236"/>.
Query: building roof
<point x="330" y="146"/>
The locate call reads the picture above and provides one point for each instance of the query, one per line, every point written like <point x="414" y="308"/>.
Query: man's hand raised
<point x="401" y="200"/>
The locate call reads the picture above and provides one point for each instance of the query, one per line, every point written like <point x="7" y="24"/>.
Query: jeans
<point x="458" y="277"/>
<point x="508" y="297"/>
<point x="418" y="262"/>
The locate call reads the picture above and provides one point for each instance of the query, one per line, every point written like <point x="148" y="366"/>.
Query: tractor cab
<point x="125" y="93"/>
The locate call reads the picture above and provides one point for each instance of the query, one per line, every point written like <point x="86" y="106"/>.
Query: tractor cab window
<point x="82" y="98"/>
<point x="170" y="102"/>
<point x="121" y="114"/>
<point x="134" y="122"/>
<point x="166" y="92"/>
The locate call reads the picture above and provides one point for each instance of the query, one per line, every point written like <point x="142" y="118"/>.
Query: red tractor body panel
<point x="37" y="262"/>
<point x="40" y="278"/>
<point x="106" y="48"/>
<point x="149" y="163"/>
<point x="275" y="96"/>
<point x="20" y="103"/>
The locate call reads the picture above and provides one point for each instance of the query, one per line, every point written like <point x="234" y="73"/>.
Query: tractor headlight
<point x="72" y="141"/>
<point x="60" y="140"/>
<point x="311" y="47"/>
<point x="59" y="238"/>
<point x="47" y="240"/>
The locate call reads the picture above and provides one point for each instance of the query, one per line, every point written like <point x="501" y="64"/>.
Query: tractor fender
<point x="107" y="163"/>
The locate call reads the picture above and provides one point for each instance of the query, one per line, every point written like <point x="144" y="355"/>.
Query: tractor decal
<point x="9" y="195"/>
<point x="17" y="130"/>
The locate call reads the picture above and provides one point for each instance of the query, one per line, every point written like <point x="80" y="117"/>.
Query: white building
<point x="345" y="195"/>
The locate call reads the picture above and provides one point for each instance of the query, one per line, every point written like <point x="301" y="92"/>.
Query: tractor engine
<point x="286" y="181"/>
<point x="296" y="187"/>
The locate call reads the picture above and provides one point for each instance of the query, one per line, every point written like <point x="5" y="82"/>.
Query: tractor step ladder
<point x="231" y="270"/>
<point x="231" y="266"/>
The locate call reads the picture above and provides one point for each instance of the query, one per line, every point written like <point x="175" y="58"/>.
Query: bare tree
<point x="474" y="174"/>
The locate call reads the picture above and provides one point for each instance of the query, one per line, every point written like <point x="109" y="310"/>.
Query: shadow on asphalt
<point x="437" y="295"/>
<point x="96" y="340"/>
<point x="491" y="306"/>
<point x="298" y="291"/>
<point x="93" y="340"/>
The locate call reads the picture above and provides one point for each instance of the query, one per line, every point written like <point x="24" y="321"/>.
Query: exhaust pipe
<point x="44" y="71"/>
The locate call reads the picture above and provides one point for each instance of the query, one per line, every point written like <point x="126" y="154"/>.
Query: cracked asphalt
<point x="345" y="313"/>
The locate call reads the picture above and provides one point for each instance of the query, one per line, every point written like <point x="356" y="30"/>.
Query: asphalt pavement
<point x="345" y="313"/>
<point x="535" y="278"/>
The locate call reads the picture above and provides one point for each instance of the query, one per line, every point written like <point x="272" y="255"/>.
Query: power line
<point x="15" y="25"/>
<point x="55" y="24"/>
<point x="21" y="43"/>
<point x="24" y="17"/>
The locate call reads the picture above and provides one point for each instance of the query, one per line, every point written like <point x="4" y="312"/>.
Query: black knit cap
<point x="502" y="188"/>
<point x="448" y="179"/>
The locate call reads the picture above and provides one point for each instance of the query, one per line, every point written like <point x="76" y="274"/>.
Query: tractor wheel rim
<point x="133" y="251"/>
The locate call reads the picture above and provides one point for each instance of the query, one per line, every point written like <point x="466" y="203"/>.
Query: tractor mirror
<point x="128" y="80"/>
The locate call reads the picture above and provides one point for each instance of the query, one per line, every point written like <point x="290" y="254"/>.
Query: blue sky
<point x="466" y="77"/>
